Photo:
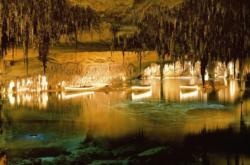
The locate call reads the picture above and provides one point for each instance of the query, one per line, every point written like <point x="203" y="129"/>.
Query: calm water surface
<point x="64" y="119"/>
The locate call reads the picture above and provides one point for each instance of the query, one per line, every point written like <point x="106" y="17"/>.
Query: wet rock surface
<point x="136" y="150"/>
<point x="105" y="152"/>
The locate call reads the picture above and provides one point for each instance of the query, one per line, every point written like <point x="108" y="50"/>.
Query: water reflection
<point x="39" y="100"/>
<point x="228" y="159"/>
<point x="65" y="96"/>
<point x="144" y="95"/>
<point x="3" y="159"/>
<point x="230" y="92"/>
<point x="181" y="108"/>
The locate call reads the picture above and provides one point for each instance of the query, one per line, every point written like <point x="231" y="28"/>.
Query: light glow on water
<point x="188" y="95"/>
<point x="144" y="95"/>
<point x="43" y="100"/>
<point x="71" y="96"/>
<point x="11" y="86"/>
<point x="141" y="87"/>
<point x="230" y="92"/>
<point x="195" y="87"/>
<point x="181" y="108"/>
<point x="11" y="98"/>
<point x="29" y="99"/>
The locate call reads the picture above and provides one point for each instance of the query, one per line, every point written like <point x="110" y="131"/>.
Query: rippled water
<point x="64" y="119"/>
